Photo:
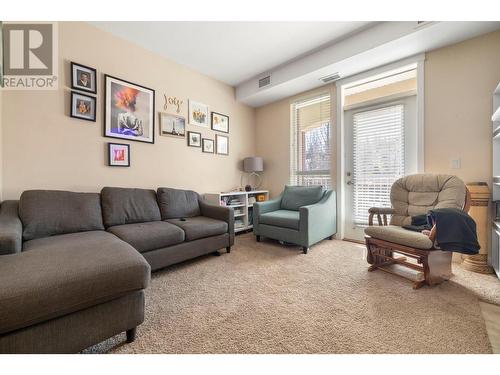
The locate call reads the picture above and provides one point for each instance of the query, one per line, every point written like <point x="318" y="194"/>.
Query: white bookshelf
<point x="494" y="251"/>
<point x="242" y="204"/>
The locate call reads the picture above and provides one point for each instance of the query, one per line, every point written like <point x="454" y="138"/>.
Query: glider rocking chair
<point x="410" y="196"/>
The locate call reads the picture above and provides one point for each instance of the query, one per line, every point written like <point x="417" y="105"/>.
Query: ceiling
<point x="232" y="52"/>
<point x="381" y="44"/>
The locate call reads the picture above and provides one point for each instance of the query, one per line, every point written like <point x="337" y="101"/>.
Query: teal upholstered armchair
<point x="303" y="215"/>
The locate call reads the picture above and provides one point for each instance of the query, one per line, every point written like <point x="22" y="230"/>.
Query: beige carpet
<point x="266" y="298"/>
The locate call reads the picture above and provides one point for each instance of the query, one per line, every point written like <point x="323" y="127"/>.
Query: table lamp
<point x="252" y="165"/>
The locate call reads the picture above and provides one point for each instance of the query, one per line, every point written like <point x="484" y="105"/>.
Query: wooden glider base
<point x="433" y="264"/>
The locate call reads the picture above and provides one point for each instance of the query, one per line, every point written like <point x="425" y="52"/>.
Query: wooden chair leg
<point x="372" y="268"/>
<point x="438" y="267"/>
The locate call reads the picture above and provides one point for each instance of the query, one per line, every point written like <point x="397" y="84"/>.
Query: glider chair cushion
<point x="417" y="194"/>
<point x="393" y="233"/>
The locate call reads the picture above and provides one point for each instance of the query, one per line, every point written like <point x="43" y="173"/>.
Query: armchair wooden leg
<point x="228" y="249"/>
<point x="257" y="238"/>
<point x="131" y="335"/>
<point x="305" y="249"/>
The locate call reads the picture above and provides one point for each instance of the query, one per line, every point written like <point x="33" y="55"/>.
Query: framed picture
<point x="172" y="125"/>
<point x="83" y="106"/>
<point x="220" y="122"/>
<point x="83" y="78"/>
<point x="194" y="139"/>
<point x="128" y="110"/>
<point x="198" y="114"/>
<point x="118" y="155"/>
<point x="207" y="145"/>
<point x="222" y="144"/>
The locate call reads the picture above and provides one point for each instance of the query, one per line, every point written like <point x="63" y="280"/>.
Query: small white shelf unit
<point x="242" y="204"/>
<point x="494" y="250"/>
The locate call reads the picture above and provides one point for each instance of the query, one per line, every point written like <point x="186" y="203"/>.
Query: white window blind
<point x="310" y="153"/>
<point x="378" y="153"/>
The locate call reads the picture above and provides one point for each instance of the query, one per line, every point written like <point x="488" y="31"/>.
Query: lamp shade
<point x="253" y="164"/>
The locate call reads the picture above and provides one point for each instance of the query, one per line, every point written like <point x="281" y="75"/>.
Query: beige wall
<point x="459" y="82"/>
<point x="273" y="139"/>
<point x="44" y="148"/>
<point x="386" y="91"/>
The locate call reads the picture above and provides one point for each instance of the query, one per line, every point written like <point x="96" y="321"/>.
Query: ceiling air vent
<point x="421" y="24"/>
<point x="330" y="78"/>
<point x="264" y="81"/>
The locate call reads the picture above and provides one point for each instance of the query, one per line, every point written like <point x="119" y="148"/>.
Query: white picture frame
<point x="172" y="125"/>
<point x="198" y="114"/>
<point x="221" y="144"/>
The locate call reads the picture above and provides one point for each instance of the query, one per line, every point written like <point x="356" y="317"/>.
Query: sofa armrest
<point x="11" y="228"/>
<point x="267" y="206"/>
<point x="381" y="213"/>
<point x="220" y="213"/>
<point x="260" y="208"/>
<point x="319" y="221"/>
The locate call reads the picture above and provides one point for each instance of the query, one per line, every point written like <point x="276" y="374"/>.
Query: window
<point x="378" y="155"/>
<point x="310" y="152"/>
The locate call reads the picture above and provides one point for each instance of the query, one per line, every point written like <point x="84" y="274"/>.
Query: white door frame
<point x="418" y="61"/>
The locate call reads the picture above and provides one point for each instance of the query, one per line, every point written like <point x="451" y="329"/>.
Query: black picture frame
<point x="203" y="140"/>
<point x="106" y="111"/>
<point x="217" y="137"/>
<point x="110" y="144"/>
<point x="189" y="139"/>
<point x="93" y="78"/>
<point x="212" y="122"/>
<point x="72" y="108"/>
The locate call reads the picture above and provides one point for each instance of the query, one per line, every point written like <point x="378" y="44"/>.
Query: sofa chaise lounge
<point x="74" y="266"/>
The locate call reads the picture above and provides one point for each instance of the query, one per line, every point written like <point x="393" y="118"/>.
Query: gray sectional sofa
<point x="74" y="266"/>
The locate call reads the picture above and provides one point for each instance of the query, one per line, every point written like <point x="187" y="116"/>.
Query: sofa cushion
<point x="200" y="227"/>
<point x="149" y="236"/>
<point x="175" y="203"/>
<point x="295" y="197"/>
<point x="400" y="236"/>
<point x="50" y="212"/>
<point x="281" y="218"/>
<point x="127" y="206"/>
<point x="62" y="274"/>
